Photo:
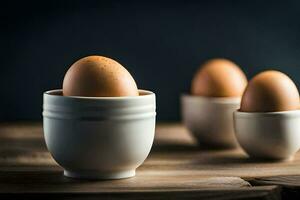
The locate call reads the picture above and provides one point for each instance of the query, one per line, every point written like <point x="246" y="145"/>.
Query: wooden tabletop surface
<point x="175" y="169"/>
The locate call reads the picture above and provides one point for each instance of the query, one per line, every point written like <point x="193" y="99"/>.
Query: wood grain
<point x="251" y="193"/>
<point x="290" y="184"/>
<point x="176" y="167"/>
<point x="54" y="181"/>
<point x="176" y="151"/>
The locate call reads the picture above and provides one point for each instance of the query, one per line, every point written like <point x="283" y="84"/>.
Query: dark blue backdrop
<point x="160" y="43"/>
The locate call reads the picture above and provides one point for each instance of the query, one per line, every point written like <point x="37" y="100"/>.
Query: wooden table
<point x="175" y="168"/>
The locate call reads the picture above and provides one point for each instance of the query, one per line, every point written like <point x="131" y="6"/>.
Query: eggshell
<point x="270" y="91"/>
<point x="219" y="78"/>
<point x="98" y="76"/>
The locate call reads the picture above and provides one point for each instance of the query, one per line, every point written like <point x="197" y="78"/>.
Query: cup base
<point x="99" y="175"/>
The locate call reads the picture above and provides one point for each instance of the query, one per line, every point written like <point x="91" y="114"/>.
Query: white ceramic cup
<point x="99" y="137"/>
<point x="271" y="135"/>
<point x="210" y="119"/>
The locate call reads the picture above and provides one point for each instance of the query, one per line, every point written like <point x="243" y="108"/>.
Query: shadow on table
<point x="26" y="143"/>
<point x="232" y="159"/>
<point x="169" y="147"/>
<point x="45" y="177"/>
<point x="186" y="147"/>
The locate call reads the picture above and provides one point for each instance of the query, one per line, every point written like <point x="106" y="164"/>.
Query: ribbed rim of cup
<point x="219" y="100"/>
<point x="98" y="108"/>
<point x="285" y="114"/>
<point x="58" y="92"/>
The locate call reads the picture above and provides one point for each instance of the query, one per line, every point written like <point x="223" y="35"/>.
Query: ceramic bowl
<point x="271" y="135"/>
<point x="99" y="137"/>
<point x="210" y="120"/>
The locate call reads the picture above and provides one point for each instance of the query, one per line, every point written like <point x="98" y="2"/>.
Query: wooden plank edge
<point x="290" y="185"/>
<point x="259" y="192"/>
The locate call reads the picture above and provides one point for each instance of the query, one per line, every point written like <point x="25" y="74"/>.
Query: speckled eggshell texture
<point x="98" y="76"/>
<point x="219" y="78"/>
<point x="270" y="91"/>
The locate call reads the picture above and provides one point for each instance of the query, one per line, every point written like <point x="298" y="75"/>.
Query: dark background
<point x="161" y="43"/>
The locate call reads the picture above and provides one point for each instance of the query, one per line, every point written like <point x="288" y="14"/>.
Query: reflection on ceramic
<point x="210" y="119"/>
<point x="270" y="135"/>
<point x="99" y="137"/>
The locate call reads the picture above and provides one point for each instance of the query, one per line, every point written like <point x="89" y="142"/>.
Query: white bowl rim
<point x="224" y="100"/>
<point x="288" y="113"/>
<point x="146" y="94"/>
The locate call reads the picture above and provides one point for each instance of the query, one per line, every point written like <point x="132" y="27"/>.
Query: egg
<point x="98" y="76"/>
<point x="270" y="91"/>
<point x="219" y="78"/>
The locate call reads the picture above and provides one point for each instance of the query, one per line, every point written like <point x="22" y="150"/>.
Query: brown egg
<point x="98" y="76"/>
<point x="270" y="91"/>
<point x="219" y="78"/>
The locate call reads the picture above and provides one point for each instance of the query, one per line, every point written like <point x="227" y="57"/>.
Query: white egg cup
<point x="210" y="119"/>
<point x="270" y="135"/>
<point x="99" y="137"/>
